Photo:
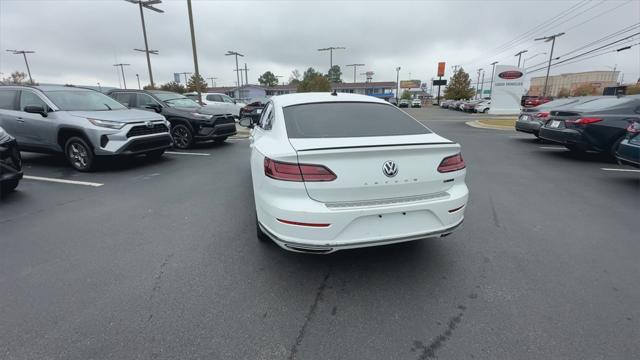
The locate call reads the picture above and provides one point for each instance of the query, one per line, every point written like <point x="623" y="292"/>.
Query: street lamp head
<point x="398" y="68"/>
<point x="493" y="63"/>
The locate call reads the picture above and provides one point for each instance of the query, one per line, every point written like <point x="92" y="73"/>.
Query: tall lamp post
<point x="478" y="83"/>
<point x="147" y="4"/>
<point x="138" y="77"/>
<point x="236" y="54"/>
<point x="355" y="66"/>
<point x="24" y="54"/>
<point x="551" y="38"/>
<point x="213" y="81"/>
<point x="397" y="83"/>
<point x="330" y="50"/>
<point x="124" y="81"/>
<point x="519" y="55"/>
<point x="493" y="71"/>
<point x="195" y="52"/>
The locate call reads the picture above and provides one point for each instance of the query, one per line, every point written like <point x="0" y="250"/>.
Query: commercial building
<point x="598" y="80"/>
<point x="384" y="90"/>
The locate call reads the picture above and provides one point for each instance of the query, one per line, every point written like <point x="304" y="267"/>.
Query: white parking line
<point x="623" y="170"/>
<point x="553" y="148"/>
<point x="186" y="153"/>
<point x="62" y="181"/>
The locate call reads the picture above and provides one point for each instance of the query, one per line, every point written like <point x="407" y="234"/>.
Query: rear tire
<point x="614" y="147"/>
<point x="79" y="154"/>
<point x="262" y="237"/>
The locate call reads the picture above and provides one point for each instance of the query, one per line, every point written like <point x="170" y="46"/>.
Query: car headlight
<point x="107" y="123"/>
<point x="202" y="116"/>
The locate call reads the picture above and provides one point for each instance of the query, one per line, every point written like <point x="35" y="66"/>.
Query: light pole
<point x="185" y="76"/>
<point x="138" y="77"/>
<point x="531" y="57"/>
<point x="236" y="54"/>
<point x="478" y="82"/>
<point x="330" y="50"/>
<point x="551" y="38"/>
<point x="124" y="81"/>
<point x="482" y="86"/>
<point x="24" y="54"/>
<point x="355" y="66"/>
<point x="397" y="84"/>
<point x="493" y="71"/>
<point x="149" y="5"/>
<point x="519" y="55"/>
<point x="195" y="52"/>
<point x="213" y="81"/>
<point x="246" y="74"/>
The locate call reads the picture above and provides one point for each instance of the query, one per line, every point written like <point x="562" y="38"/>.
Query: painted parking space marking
<point x="622" y="170"/>
<point x="186" y="153"/>
<point x="62" y="181"/>
<point x="553" y="148"/>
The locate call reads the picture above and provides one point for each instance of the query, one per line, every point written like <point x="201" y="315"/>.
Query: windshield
<point x="83" y="100"/>
<point x="349" y="119"/>
<point x="176" y="100"/>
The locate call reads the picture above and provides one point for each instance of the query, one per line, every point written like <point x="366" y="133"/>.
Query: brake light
<point x="584" y="121"/>
<point x="451" y="163"/>
<point x="297" y="172"/>
<point x="543" y="114"/>
<point x="634" y="127"/>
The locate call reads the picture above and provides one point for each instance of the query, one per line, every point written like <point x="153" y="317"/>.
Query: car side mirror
<point x="35" y="109"/>
<point x="155" y="107"/>
<point x="246" y="122"/>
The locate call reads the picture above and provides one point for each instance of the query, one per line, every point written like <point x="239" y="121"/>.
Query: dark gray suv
<point x="81" y="123"/>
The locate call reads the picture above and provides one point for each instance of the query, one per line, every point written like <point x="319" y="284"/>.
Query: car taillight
<point x="634" y="127"/>
<point x="584" y="121"/>
<point x="451" y="163"/>
<point x="543" y="114"/>
<point x="297" y="172"/>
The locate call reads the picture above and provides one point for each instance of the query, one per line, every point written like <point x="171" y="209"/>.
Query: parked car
<point x="220" y="103"/>
<point x="190" y="122"/>
<point x="469" y="106"/>
<point x="80" y="123"/>
<point x="531" y="119"/>
<point x="342" y="171"/>
<point x="10" y="163"/>
<point x="253" y="110"/>
<point x="533" y="101"/>
<point x="416" y="103"/>
<point x="445" y="103"/>
<point x="404" y="103"/>
<point x="482" y="107"/>
<point x="598" y="125"/>
<point x="628" y="151"/>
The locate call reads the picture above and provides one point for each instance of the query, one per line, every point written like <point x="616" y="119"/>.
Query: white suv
<point x="221" y="102"/>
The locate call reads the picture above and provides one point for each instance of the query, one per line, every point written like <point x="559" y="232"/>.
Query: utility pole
<point x="246" y="74"/>
<point x="330" y="50"/>
<point x="482" y="86"/>
<point x="213" y="81"/>
<point x="236" y="54"/>
<point x="24" y="54"/>
<point x="355" y="66"/>
<point x="478" y="82"/>
<point x="493" y="71"/>
<point x="519" y="55"/>
<point x="195" y="52"/>
<point x="124" y="81"/>
<point x="185" y="76"/>
<point x="551" y="38"/>
<point x="241" y="76"/>
<point x="149" y="5"/>
<point x="397" y="84"/>
<point x="138" y="77"/>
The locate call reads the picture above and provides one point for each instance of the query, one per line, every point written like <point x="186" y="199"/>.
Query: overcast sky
<point x="78" y="41"/>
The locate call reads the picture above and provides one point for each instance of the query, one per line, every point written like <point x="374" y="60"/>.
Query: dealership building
<point x="570" y="82"/>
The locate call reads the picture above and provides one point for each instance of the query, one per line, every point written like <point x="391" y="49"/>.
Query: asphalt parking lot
<point x="159" y="259"/>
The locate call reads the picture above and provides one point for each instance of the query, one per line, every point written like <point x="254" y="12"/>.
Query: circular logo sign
<point x="390" y="169"/>
<point x="510" y="74"/>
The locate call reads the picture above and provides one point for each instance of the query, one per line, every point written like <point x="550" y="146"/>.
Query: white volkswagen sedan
<point x="339" y="171"/>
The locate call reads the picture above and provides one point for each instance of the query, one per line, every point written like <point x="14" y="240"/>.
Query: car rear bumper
<point x="531" y="127"/>
<point x="565" y="136"/>
<point x="354" y="225"/>
<point x="628" y="153"/>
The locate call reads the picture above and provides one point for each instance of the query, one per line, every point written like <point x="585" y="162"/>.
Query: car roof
<point x="319" y="97"/>
<point x="49" y="87"/>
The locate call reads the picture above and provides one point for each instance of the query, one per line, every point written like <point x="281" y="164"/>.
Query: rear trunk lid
<point x="558" y="118"/>
<point x="358" y="163"/>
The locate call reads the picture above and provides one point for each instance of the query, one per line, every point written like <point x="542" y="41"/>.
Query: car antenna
<point x="334" y="93"/>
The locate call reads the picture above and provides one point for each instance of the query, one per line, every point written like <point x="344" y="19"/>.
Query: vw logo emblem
<point x="390" y="169"/>
<point x="149" y="124"/>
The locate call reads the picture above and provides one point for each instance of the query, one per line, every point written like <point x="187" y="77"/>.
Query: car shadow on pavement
<point x="586" y="157"/>
<point x="59" y="164"/>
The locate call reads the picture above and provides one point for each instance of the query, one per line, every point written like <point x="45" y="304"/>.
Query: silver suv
<point x="81" y="123"/>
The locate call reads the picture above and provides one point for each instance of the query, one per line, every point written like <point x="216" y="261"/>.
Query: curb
<point x="479" y="125"/>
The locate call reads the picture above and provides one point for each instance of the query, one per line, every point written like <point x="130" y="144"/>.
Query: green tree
<point x="17" y="77"/>
<point x="196" y="83"/>
<point x="335" y="74"/>
<point x="148" y="87"/>
<point x="295" y="76"/>
<point x="314" y="81"/>
<point x="406" y="95"/>
<point x="268" y="79"/>
<point x="459" y="86"/>
<point x="173" y="87"/>
<point x="584" y="90"/>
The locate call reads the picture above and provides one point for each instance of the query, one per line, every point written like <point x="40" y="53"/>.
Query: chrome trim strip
<point x="388" y="201"/>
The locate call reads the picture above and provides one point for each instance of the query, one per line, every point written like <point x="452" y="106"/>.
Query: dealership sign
<point x="441" y="68"/>
<point x="508" y="88"/>
<point x="410" y="84"/>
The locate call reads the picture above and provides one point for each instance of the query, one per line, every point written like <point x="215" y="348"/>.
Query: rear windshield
<point x="81" y="100"/>
<point x="602" y="103"/>
<point x="349" y="119"/>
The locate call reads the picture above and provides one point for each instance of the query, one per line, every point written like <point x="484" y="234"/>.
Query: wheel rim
<point x="78" y="155"/>
<point x="181" y="136"/>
